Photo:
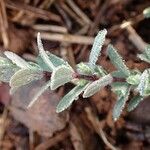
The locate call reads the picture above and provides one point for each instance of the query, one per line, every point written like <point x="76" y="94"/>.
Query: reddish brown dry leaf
<point x="42" y="116"/>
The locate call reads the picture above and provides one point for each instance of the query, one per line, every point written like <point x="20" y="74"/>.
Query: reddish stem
<point x="86" y="77"/>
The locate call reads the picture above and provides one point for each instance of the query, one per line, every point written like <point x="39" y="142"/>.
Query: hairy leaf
<point x="60" y="76"/>
<point x="39" y="93"/>
<point x="146" y="12"/>
<point x="118" y="74"/>
<point x="83" y="68"/>
<point x="43" y="54"/>
<point x="7" y="69"/>
<point x="120" y="104"/>
<point x="133" y="79"/>
<point x="147" y="51"/>
<point x="100" y="71"/>
<point x="146" y="54"/>
<point x="97" y="85"/>
<point x="17" y="60"/>
<point x="144" y="80"/>
<point x="96" y="48"/>
<point x="53" y="58"/>
<point x="23" y="77"/>
<point x="143" y="58"/>
<point x="133" y="103"/>
<point x="120" y="88"/>
<point x="68" y="99"/>
<point x="117" y="60"/>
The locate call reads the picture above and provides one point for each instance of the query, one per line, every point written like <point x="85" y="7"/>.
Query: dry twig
<point x="79" y="11"/>
<point x="4" y="24"/>
<point x="47" y="15"/>
<point x="72" y="14"/>
<point x="135" y="38"/>
<point x="95" y="123"/>
<point x="69" y="38"/>
<point x="52" y="28"/>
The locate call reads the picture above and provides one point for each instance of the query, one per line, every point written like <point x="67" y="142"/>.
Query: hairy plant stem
<point x="85" y="77"/>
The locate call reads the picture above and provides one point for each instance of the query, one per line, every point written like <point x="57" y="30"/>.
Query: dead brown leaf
<point x="42" y="117"/>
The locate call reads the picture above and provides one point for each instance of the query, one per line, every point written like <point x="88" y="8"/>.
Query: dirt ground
<point x="67" y="29"/>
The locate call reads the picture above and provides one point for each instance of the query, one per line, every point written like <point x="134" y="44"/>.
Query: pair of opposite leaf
<point x="62" y="73"/>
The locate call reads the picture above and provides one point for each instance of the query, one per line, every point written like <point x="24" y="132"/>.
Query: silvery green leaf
<point x="133" y="103"/>
<point x="117" y="60"/>
<point x="60" y="76"/>
<point x="120" y="88"/>
<point x="17" y="59"/>
<point x="57" y="61"/>
<point x="82" y="82"/>
<point x="96" y="48"/>
<point x="120" y="104"/>
<point x="133" y="79"/>
<point x="35" y="66"/>
<point x="147" y="51"/>
<point x="43" y="65"/>
<point x="68" y="99"/>
<point x="100" y="71"/>
<point x="97" y="85"/>
<point x="83" y="68"/>
<point x="143" y="58"/>
<point x="144" y="80"/>
<point x="118" y="74"/>
<point x="7" y="72"/>
<point x="53" y="58"/>
<point x="24" y="76"/>
<point x="7" y="69"/>
<point x="39" y="93"/>
<point x="4" y="61"/>
<point x="146" y="54"/>
<point x="146" y="12"/>
<point x="43" y="53"/>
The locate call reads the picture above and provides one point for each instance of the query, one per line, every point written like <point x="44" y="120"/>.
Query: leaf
<point x="17" y="60"/>
<point x="118" y="74"/>
<point x="146" y="54"/>
<point x="68" y="99"/>
<point x="120" y="104"/>
<point x="39" y="93"/>
<point x="117" y="60"/>
<point x="146" y="12"/>
<point x="43" y="54"/>
<point x="36" y="66"/>
<point x="133" y="103"/>
<point x="96" y="48"/>
<point x="60" y="76"/>
<point x="120" y="88"/>
<point x="97" y="85"/>
<point x="144" y="80"/>
<point x="42" y="116"/>
<point x="53" y="58"/>
<point x="100" y="71"/>
<point x="23" y="77"/>
<point x="147" y="51"/>
<point x="7" y="69"/>
<point x="83" y="68"/>
<point x="133" y="79"/>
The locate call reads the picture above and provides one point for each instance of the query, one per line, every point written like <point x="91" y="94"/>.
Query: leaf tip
<point x="59" y="108"/>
